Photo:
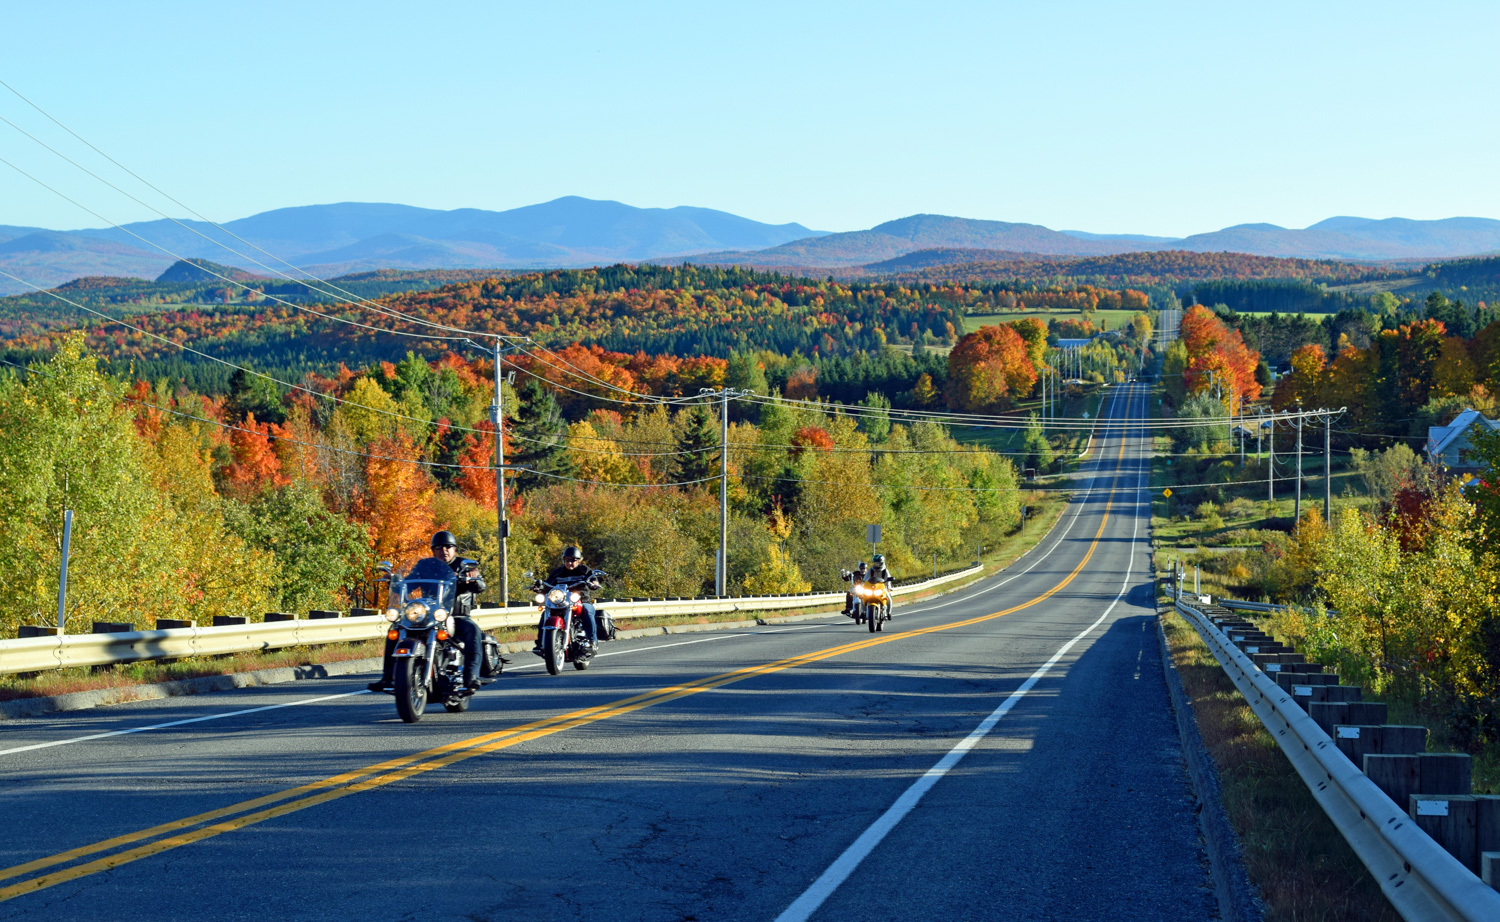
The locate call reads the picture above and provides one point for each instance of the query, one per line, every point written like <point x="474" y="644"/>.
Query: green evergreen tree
<point x="250" y="393"/>
<point x="537" y="437"/>
<point x="697" y="439"/>
<point x="1038" y="449"/>
<point x="877" y="425"/>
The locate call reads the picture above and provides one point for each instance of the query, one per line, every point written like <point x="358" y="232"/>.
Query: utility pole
<point x="721" y="562"/>
<point x="722" y="570"/>
<point x="502" y="524"/>
<point x="497" y="419"/>
<point x="1327" y="469"/>
<point x="1271" y="464"/>
<point x="1297" y="504"/>
<point x="62" y="582"/>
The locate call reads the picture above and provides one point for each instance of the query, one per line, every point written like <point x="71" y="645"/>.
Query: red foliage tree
<point x="397" y="502"/>
<point x="988" y="368"/>
<point x="256" y="466"/>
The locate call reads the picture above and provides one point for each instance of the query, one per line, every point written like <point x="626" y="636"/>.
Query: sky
<point x="1151" y="118"/>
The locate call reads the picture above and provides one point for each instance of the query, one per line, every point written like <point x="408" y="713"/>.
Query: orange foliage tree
<point x="397" y="501"/>
<point x="256" y="466"/>
<point x="1213" y="347"/>
<point x="988" y="368"/>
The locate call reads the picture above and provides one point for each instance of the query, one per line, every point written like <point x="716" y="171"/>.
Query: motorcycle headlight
<point x="557" y="597"/>
<point x="573" y="597"/>
<point x="391" y="614"/>
<point x="441" y="614"/>
<point x="540" y="598"/>
<point x="416" y="613"/>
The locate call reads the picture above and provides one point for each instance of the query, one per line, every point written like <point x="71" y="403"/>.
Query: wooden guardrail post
<point x="1450" y="820"/>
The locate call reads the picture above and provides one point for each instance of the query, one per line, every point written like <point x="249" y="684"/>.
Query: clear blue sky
<point x="1158" y="118"/>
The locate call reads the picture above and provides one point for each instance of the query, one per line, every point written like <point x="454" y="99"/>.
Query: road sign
<point x="872" y="533"/>
<point x="1167" y="492"/>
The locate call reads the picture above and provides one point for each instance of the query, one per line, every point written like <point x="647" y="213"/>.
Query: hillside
<point x="1172" y="268"/>
<point x="353" y="237"/>
<point x="918" y="232"/>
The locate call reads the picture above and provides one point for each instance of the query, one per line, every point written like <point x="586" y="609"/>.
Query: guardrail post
<point x="111" y="627"/>
<point x="230" y="620"/>
<point x="167" y="624"/>
<point x="1487" y="836"/>
<point x="1450" y="820"/>
<point x="1396" y="775"/>
<point x="1445" y="773"/>
<point x="279" y="616"/>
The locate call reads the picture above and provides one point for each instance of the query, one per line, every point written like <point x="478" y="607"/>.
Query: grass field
<point x="1115" y="319"/>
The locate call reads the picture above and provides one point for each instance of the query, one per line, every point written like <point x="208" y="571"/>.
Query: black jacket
<point x="468" y="589"/>
<point x="576" y="580"/>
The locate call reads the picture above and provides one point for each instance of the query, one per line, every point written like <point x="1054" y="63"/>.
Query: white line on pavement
<point x="806" y="904"/>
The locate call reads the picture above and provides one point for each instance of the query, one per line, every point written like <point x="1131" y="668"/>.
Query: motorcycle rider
<point x="470" y="584"/>
<point x="879" y="574"/>
<point x="860" y="575"/>
<point x="576" y="577"/>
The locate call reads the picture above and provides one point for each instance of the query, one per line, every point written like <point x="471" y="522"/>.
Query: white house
<point x="1449" y="445"/>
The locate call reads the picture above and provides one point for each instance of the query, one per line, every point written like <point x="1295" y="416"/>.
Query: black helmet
<point x="879" y="560"/>
<point x="862" y="566"/>
<point x="571" y="552"/>
<point x="444" y="539"/>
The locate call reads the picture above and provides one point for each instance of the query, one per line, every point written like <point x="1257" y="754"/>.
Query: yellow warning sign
<point x="1167" y="492"/>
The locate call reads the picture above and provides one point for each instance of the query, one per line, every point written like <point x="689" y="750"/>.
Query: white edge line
<point x="805" y="905"/>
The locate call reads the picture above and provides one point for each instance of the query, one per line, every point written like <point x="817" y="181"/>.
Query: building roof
<point x="1440" y="437"/>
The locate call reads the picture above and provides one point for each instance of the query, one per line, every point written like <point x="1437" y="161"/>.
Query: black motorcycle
<point x="561" y="636"/>
<point x="428" y="660"/>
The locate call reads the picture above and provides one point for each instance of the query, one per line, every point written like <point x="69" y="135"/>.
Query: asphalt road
<point x="1003" y="752"/>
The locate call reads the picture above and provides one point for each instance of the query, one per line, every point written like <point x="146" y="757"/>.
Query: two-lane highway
<point x="1003" y="752"/>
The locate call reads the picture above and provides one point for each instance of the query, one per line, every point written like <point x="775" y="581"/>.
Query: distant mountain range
<point x="572" y="232"/>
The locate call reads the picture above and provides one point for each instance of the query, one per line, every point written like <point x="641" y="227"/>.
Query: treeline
<point x="1402" y="381"/>
<point x="1277" y="336"/>
<point x="1285" y="296"/>
<point x="1170" y="268"/>
<point x="190" y="505"/>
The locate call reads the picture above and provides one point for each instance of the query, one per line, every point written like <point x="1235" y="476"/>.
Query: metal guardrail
<point x="38" y="654"/>
<point x="1419" y="877"/>
<point x="1237" y="605"/>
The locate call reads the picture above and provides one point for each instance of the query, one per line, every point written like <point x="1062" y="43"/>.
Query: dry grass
<point x="1303" y="868"/>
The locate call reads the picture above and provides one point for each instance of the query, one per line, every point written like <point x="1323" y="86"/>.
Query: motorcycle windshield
<point x="430" y="581"/>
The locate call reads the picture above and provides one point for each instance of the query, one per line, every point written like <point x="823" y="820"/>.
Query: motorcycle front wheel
<point x="553" y="654"/>
<point x="411" y="691"/>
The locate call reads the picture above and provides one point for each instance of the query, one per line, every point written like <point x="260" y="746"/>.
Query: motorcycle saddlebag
<point x="492" y="663"/>
<point x="605" y="624"/>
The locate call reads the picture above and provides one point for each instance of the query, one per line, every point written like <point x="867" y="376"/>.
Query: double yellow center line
<point x="122" y="850"/>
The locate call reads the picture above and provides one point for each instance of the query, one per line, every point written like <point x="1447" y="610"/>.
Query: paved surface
<point x="748" y="774"/>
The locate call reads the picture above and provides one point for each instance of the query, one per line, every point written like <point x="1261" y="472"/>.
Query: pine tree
<point x="698" y="437"/>
<point x="537" y="435"/>
<point x="1038" y="449"/>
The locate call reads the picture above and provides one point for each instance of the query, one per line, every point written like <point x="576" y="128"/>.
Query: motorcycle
<point x="873" y="602"/>
<point x="562" y="636"/>
<point x="857" y="609"/>
<point x="428" y="660"/>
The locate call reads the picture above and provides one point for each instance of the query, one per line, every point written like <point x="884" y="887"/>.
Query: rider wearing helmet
<point x="577" y="578"/>
<point x="860" y="575"/>
<point x="470" y="584"/>
<point x="879" y="574"/>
